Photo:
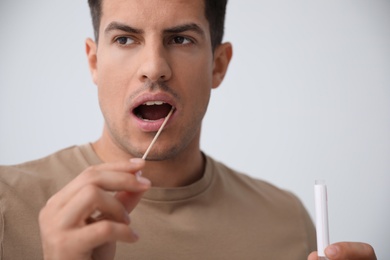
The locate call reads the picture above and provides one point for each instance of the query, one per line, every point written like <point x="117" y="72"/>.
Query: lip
<point x="152" y="126"/>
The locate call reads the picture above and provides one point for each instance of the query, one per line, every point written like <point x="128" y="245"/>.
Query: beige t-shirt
<point x="224" y="215"/>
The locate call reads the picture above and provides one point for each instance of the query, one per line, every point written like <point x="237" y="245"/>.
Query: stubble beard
<point x="122" y="137"/>
<point x="123" y="140"/>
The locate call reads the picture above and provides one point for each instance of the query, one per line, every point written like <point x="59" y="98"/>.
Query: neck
<point x="177" y="172"/>
<point x="183" y="169"/>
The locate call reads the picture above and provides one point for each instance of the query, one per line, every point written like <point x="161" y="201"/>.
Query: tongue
<point x="154" y="112"/>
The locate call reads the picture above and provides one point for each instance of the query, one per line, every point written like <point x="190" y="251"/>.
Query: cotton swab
<point x="158" y="133"/>
<point x="97" y="214"/>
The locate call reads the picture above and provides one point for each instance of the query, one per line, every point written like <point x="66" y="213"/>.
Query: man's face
<point x="153" y="55"/>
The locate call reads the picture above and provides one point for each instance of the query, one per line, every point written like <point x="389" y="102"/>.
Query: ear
<point x="91" y="51"/>
<point x="222" y="56"/>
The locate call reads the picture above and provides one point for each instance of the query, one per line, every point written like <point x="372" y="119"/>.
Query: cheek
<point x="111" y="94"/>
<point x="112" y="82"/>
<point x="197" y="71"/>
<point x="202" y="79"/>
<point x="197" y="87"/>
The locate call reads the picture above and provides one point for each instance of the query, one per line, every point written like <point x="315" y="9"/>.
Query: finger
<point x="129" y="200"/>
<point x="83" y="241"/>
<point x="313" y="256"/>
<point x="88" y="200"/>
<point x="350" y="250"/>
<point x="102" y="232"/>
<point x="104" y="252"/>
<point x="112" y="177"/>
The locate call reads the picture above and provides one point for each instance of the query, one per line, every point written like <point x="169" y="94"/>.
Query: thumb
<point x="130" y="199"/>
<point x="350" y="250"/>
<point x="313" y="256"/>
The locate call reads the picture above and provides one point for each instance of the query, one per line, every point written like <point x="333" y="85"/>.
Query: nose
<point x="154" y="64"/>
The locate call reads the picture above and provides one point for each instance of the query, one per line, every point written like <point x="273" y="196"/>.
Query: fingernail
<point x="143" y="180"/>
<point x="138" y="174"/>
<point x="135" y="234"/>
<point x="136" y="160"/>
<point x="126" y="217"/>
<point x="331" y="251"/>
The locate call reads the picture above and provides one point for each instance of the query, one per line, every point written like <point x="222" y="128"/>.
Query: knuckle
<point x="57" y="243"/>
<point x="90" y="173"/>
<point x="128" y="179"/>
<point x="42" y="215"/>
<point x="105" y="229"/>
<point x="90" y="192"/>
<point x="45" y="214"/>
<point x="51" y="202"/>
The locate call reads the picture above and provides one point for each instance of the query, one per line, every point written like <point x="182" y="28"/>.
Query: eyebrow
<point x="122" y="27"/>
<point x="173" y="30"/>
<point x="184" y="28"/>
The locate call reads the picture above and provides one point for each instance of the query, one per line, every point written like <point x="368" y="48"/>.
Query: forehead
<point x="154" y="14"/>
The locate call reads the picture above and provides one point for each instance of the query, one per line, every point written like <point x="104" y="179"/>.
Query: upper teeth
<point x="152" y="103"/>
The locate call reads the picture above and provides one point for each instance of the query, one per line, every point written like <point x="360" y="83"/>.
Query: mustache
<point x="153" y="87"/>
<point x="156" y="86"/>
<point x="159" y="85"/>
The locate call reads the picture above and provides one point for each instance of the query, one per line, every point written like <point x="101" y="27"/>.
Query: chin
<point x="162" y="155"/>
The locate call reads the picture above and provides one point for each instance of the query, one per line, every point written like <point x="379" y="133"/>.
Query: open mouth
<point x="152" y="110"/>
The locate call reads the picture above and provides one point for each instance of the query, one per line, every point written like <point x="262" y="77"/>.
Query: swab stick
<point x="158" y="133"/>
<point x="322" y="226"/>
<point x="97" y="214"/>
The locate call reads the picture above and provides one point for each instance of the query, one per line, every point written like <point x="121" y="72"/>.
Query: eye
<point x="123" y="40"/>
<point x="181" y="40"/>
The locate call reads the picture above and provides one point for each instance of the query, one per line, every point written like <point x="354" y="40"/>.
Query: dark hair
<point x="214" y="10"/>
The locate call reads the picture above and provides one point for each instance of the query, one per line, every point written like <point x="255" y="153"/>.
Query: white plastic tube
<point x="322" y="227"/>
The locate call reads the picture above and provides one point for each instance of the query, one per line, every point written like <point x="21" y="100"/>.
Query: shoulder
<point x="240" y="180"/>
<point x="55" y="169"/>
<point x="270" y="204"/>
<point x="24" y="190"/>
<point x="255" y="190"/>
<point x="66" y="157"/>
<point x="70" y="158"/>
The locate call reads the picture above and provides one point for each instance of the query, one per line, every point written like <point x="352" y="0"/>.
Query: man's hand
<point x="67" y="229"/>
<point x="347" y="251"/>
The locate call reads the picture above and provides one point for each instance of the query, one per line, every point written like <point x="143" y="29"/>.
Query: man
<point x="150" y="57"/>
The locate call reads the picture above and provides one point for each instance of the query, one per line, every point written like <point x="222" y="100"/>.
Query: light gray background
<point x="307" y="97"/>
